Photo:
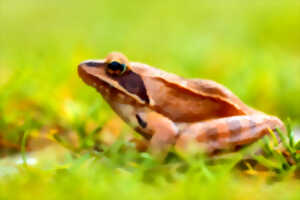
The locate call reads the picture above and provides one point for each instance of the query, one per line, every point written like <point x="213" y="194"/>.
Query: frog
<point x="172" y="112"/>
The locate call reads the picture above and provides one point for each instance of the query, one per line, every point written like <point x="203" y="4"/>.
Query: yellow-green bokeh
<point x="251" y="47"/>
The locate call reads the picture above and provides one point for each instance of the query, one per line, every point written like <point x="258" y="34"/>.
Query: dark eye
<point x="116" y="68"/>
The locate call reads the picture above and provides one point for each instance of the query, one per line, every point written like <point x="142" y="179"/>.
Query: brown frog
<point x="172" y="111"/>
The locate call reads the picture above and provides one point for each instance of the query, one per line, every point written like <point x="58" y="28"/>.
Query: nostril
<point x="90" y="63"/>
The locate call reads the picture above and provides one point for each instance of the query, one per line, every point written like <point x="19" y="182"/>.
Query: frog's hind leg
<point x="227" y="133"/>
<point x="163" y="130"/>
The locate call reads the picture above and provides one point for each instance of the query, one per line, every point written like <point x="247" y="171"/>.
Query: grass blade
<point x="23" y="147"/>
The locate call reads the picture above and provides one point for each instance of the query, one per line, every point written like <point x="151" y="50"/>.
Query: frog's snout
<point x="87" y="70"/>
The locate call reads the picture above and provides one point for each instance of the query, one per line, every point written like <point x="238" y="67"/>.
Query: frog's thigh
<point x="164" y="134"/>
<point x="226" y="132"/>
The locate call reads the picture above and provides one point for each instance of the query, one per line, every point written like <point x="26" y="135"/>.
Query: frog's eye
<point x="116" y="68"/>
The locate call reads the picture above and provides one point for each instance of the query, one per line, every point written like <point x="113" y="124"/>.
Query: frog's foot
<point x="228" y="133"/>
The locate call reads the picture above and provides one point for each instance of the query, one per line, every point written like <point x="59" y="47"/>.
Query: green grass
<point x="120" y="172"/>
<point x="250" y="47"/>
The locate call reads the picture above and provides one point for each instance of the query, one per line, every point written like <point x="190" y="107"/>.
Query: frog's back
<point x="211" y="88"/>
<point x="189" y="99"/>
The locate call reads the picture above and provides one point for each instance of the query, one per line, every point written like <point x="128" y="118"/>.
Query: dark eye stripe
<point x="91" y="63"/>
<point x="134" y="84"/>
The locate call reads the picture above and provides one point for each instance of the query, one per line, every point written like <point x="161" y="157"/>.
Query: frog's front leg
<point x="227" y="133"/>
<point x="163" y="131"/>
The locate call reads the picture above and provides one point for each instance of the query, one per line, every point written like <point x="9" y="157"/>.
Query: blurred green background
<point x="251" y="47"/>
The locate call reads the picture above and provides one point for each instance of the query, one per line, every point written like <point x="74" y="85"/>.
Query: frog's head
<point x="115" y="79"/>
